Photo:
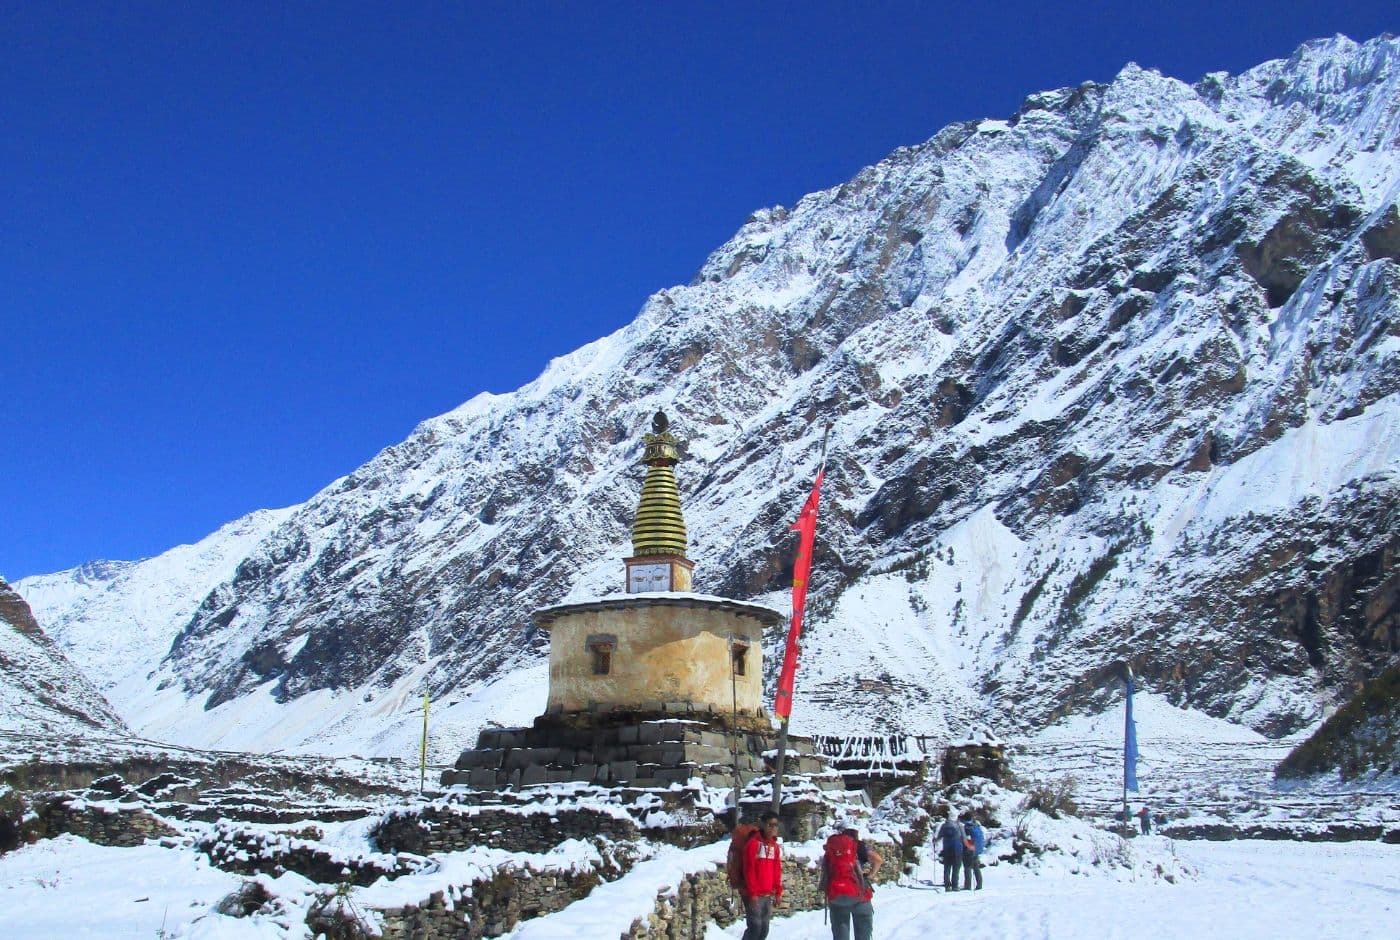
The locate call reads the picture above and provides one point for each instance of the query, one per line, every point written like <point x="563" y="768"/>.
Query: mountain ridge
<point x="1047" y="346"/>
<point x="40" y="690"/>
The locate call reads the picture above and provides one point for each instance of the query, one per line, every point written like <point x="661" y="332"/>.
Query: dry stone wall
<point x="488" y="907"/>
<point x="493" y="906"/>
<point x="641" y="753"/>
<point x="448" y="828"/>
<point x="703" y="897"/>
<point x="250" y="851"/>
<point x="103" y="823"/>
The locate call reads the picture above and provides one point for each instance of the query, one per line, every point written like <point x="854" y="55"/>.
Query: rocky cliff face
<point x="40" y="691"/>
<point x="1114" y="378"/>
<point x="1361" y="739"/>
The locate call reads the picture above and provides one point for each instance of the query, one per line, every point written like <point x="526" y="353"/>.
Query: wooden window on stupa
<point x="739" y="655"/>
<point x="601" y="648"/>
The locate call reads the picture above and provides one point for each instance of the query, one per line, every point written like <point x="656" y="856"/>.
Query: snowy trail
<point x="1247" y="890"/>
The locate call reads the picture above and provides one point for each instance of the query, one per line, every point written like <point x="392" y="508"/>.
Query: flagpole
<point x="799" y="591"/>
<point x="778" y="771"/>
<point x="734" y="728"/>
<point x="423" y="749"/>
<point x="1129" y="735"/>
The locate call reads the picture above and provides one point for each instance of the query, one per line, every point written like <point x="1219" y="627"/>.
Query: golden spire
<point x="659" y="528"/>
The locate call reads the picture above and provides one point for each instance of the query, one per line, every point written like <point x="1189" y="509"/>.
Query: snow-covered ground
<point x="1185" y="757"/>
<point x="1197" y="770"/>
<point x="67" y="887"/>
<point x="1246" y="890"/>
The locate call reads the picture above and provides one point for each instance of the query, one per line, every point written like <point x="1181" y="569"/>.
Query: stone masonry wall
<point x="103" y="824"/>
<point x="644" y="753"/>
<point x="450" y="829"/>
<point x="251" y="851"/>
<point x="494" y="906"/>
<point x="485" y="908"/>
<point x="706" y="896"/>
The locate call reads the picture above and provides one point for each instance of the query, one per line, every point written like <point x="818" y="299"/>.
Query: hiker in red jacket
<point x="847" y="866"/>
<point x="763" y="878"/>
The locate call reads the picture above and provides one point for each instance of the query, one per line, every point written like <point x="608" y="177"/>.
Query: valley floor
<point x="1246" y="890"/>
<point x="67" y="887"/>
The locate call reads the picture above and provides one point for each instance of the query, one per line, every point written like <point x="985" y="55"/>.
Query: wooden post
<point x="778" y="770"/>
<point x="734" y="727"/>
<point x="423" y="750"/>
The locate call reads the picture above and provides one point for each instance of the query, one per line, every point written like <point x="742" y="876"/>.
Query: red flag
<point x="806" y="524"/>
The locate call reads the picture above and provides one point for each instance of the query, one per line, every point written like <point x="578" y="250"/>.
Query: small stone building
<point x="980" y="754"/>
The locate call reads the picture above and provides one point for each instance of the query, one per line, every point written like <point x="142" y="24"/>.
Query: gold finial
<point x="659" y="528"/>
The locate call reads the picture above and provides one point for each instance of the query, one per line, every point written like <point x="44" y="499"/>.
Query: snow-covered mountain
<point x="118" y="618"/>
<point x="1114" y="378"/>
<point x="41" y="692"/>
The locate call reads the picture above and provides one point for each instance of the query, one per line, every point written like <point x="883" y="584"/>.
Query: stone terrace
<point x="637" y="753"/>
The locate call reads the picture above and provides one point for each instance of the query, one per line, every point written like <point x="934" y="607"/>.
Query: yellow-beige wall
<point x="663" y="654"/>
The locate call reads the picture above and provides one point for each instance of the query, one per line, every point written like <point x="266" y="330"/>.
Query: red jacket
<point x="843" y="859"/>
<point x="763" y="867"/>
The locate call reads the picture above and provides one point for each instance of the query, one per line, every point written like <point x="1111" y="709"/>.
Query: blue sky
<point x="244" y="247"/>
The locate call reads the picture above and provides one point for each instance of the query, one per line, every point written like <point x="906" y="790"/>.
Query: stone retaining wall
<point x="526" y="829"/>
<point x="103" y="823"/>
<point x="488" y="907"/>
<point x="706" y="896"/>
<point x="250" y="852"/>
<point x="1332" y="832"/>
<point x="493" y="906"/>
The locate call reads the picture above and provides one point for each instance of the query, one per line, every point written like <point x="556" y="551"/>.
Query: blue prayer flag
<point x="1130" y="749"/>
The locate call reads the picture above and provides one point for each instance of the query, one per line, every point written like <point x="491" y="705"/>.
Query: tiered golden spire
<point x="659" y="528"/>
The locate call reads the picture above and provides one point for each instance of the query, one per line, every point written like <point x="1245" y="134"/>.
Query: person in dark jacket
<point x="951" y="835"/>
<point x="763" y="878"/>
<point x="1145" y="820"/>
<point x="974" y="842"/>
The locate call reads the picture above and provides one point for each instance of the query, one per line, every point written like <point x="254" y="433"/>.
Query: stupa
<point x="648" y="687"/>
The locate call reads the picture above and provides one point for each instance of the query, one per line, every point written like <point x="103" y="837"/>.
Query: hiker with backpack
<point x="759" y="877"/>
<point x="847" y="867"/>
<point x="974" y="841"/>
<point x="951" y="835"/>
<point x="739" y="838"/>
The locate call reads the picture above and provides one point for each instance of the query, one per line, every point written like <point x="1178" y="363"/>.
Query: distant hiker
<point x="1145" y="820"/>
<point x="974" y="842"/>
<point x="763" y="878"/>
<point x="951" y="835"/>
<point x="847" y="867"/>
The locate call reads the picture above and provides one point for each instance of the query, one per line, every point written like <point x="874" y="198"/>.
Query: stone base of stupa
<point x="636" y="748"/>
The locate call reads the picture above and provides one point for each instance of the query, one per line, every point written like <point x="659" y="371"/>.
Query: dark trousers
<point x="846" y="909"/>
<point x="757" y="913"/>
<point x="972" y="865"/>
<point x="951" y="862"/>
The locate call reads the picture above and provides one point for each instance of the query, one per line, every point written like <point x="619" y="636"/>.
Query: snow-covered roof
<point x="768" y="615"/>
